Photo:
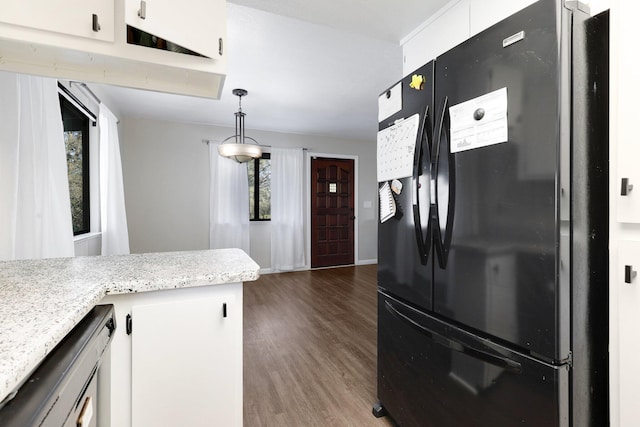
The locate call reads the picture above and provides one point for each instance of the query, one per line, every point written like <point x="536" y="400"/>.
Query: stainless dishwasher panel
<point x="57" y="391"/>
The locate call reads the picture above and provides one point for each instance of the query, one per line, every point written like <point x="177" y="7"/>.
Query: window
<point x="260" y="188"/>
<point x="76" y="140"/>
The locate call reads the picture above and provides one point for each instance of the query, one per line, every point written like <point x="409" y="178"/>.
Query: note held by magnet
<point x="479" y="122"/>
<point x="396" y="149"/>
<point x="390" y="102"/>
<point x="387" y="203"/>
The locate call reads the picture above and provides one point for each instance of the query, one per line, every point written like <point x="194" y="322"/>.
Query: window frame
<point x="256" y="187"/>
<point x="70" y="103"/>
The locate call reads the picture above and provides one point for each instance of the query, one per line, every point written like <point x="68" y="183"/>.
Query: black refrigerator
<point x="493" y="232"/>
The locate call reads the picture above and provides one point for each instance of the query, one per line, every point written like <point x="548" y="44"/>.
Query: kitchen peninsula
<point x="42" y="300"/>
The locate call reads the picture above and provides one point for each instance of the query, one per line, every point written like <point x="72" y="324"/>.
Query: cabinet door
<point x="187" y="363"/>
<point x="197" y="25"/>
<point x="451" y="28"/>
<point x="628" y="285"/>
<point x="73" y="17"/>
<point x="628" y="181"/>
<point x="624" y="117"/>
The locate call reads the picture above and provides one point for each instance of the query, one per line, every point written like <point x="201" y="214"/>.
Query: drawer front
<point x="433" y="374"/>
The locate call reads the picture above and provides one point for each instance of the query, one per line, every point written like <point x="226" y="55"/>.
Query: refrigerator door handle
<point x="422" y="191"/>
<point x="477" y="353"/>
<point x="443" y="180"/>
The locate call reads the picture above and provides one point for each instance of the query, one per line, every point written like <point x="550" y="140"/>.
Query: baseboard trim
<point x="359" y="262"/>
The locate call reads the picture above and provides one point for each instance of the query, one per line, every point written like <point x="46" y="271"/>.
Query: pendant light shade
<point x="238" y="148"/>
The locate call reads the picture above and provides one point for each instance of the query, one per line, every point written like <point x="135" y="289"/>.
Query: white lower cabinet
<point x="627" y="285"/>
<point x="181" y="364"/>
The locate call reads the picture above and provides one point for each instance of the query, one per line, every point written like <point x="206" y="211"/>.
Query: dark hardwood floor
<point x="310" y="349"/>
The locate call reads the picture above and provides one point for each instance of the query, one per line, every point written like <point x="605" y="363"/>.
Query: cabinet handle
<point x="629" y="274"/>
<point x="95" y="25"/>
<point x="129" y="324"/>
<point x="220" y="46"/>
<point x="142" y="13"/>
<point x="625" y="188"/>
<point x="86" y="413"/>
<point x="224" y="309"/>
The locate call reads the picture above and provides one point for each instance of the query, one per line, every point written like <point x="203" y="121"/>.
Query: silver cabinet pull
<point x="629" y="274"/>
<point x="86" y="413"/>
<point x="142" y="13"/>
<point x="95" y="25"/>
<point x="625" y="188"/>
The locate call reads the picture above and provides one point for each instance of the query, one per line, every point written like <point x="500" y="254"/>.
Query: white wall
<point x="166" y="181"/>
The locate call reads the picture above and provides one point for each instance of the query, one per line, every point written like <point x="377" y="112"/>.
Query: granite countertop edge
<point x="41" y="301"/>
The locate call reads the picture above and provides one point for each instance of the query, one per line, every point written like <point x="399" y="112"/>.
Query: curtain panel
<point x="35" y="213"/>
<point x="113" y="216"/>
<point x="287" y="221"/>
<point x="228" y="202"/>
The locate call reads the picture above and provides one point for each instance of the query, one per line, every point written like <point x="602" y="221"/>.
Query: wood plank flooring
<point x="310" y="349"/>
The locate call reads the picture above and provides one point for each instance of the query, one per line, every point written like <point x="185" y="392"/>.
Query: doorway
<point x="332" y="211"/>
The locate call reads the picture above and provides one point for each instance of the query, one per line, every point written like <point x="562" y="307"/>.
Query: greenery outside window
<point x="76" y="140"/>
<point x="260" y="188"/>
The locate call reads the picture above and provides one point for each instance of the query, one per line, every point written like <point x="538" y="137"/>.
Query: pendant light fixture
<point x="238" y="148"/>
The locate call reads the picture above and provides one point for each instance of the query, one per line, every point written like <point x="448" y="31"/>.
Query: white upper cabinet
<point x="626" y="171"/>
<point x="63" y="39"/>
<point x="196" y="25"/>
<point x="437" y="36"/>
<point x="484" y="14"/>
<point x="93" y="19"/>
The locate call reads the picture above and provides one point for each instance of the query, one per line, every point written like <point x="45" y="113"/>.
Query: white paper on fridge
<point x="390" y="102"/>
<point x="387" y="203"/>
<point x="396" y="147"/>
<point x="479" y="122"/>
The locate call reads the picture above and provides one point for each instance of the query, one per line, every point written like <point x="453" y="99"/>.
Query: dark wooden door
<point x="332" y="212"/>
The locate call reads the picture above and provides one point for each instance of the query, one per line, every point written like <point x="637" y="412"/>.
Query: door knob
<point x="629" y="274"/>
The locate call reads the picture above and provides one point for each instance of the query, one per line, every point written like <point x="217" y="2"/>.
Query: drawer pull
<point x="142" y="13"/>
<point x="625" y="187"/>
<point x="86" y="414"/>
<point x="95" y="25"/>
<point x="629" y="274"/>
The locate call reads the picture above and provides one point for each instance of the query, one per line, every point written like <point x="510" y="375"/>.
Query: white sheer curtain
<point x="113" y="216"/>
<point x="228" y="202"/>
<point x="35" y="210"/>
<point x="287" y="222"/>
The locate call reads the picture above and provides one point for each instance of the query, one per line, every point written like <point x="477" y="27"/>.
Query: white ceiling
<point x="379" y="19"/>
<point x="310" y="67"/>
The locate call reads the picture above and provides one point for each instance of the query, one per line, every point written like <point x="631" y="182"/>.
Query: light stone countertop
<point x="42" y="300"/>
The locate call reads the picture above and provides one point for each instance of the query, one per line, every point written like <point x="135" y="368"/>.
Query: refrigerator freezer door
<point x="405" y="266"/>
<point x="431" y="374"/>
<point x="498" y="251"/>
